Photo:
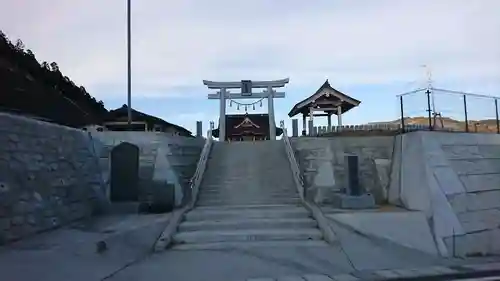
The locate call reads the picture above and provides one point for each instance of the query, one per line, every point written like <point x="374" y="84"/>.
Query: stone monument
<point x="354" y="197"/>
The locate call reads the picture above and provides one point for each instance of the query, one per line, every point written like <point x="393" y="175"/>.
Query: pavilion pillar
<point x="339" y="116"/>
<point x="304" y="125"/>
<point x="270" y="105"/>
<point x="222" y="117"/>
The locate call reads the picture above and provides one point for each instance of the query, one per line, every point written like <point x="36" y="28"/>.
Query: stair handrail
<point x="294" y="166"/>
<point x="201" y="166"/>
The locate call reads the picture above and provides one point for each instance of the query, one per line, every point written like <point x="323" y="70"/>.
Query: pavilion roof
<point x="325" y="97"/>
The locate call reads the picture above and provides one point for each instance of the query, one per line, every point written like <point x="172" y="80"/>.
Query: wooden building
<point x="117" y="120"/>
<point x="325" y="102"/>
<point x="247" y="127"/>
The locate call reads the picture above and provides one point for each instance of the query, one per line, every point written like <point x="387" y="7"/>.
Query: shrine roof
<point x="327" y="97"/>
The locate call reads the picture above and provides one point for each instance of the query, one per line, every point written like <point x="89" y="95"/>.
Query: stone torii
<point x="246" y="87"/>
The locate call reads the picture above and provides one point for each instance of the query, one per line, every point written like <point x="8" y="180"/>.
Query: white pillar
<point x="339" y="115"/>
<point x="270" y="109"/>
<point x="222" y="117"/>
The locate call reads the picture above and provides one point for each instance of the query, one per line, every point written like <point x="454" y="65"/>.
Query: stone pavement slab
<point x="409" y="229"/>
<point x="70" y="253"/>
<point x="483" y="272"/>
<point x="237" y="264"/>
<point x="369" y="254"/>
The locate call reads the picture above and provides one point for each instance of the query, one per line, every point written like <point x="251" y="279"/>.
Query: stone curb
<point x="165" y="238"/>
<point x="322" y="220"/>
<point x="439" y="272"/>
<point x="433" y="273"/>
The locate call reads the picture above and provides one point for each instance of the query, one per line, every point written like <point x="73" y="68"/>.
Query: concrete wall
<point x="322" y="163"/>
<point x="165" y="161"/>
<point x="455" y="180"/>
<point x="48" y="177"/>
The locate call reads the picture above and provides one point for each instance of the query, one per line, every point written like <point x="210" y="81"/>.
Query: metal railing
<point x="297" y="177"/>
<point x="201" y="167"/>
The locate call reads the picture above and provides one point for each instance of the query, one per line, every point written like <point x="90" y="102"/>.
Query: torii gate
<point x="246" y="87"/>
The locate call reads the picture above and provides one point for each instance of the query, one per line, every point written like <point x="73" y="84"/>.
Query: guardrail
<point x="200" y="168"/>
<point x="297" y="177"/>
<point x="319" y="130"/>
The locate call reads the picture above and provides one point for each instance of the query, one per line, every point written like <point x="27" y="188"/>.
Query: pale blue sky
<point x="371" y="50"/>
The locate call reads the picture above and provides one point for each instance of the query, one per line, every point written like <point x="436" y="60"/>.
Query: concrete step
<point x="219" y="188"/>
<point x="251" y="244"/>
<point x="239" y="207"/>
<point x="290" y="212"/>
<point x="267" y="201"/>
<point x="238" y="224"/>
<point x="252" y="196"/>
<point x="209" y="236"/>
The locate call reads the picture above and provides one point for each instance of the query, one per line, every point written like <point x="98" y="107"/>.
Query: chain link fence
<point x="447" y="110"/>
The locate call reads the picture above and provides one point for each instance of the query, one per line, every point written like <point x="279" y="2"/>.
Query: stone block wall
<point x="454" y="178"/>
<point x="165" y="161"/>
<point x="316" y="156"/>
<point x="474" y="171"/>
<point x="48" y="177"/>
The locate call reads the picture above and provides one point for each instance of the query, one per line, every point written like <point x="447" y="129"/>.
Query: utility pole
<point x="129" y="67"/>
<point x="432" y="101"/>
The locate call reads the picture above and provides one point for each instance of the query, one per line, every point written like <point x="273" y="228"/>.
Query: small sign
<point x="246" y="87"/>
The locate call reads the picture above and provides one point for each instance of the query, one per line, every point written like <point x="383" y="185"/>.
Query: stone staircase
<point x="247" y="198"/>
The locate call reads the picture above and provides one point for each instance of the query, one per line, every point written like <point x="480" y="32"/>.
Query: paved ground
<point x="70" y="253"/>
<point x="354" y="253"/>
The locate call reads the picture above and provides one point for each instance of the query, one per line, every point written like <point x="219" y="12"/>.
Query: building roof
<point x="121" y="114"/>
<point x="240" y="123"/>
<point x="325" y="97"/>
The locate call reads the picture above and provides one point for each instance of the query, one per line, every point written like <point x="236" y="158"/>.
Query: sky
<point x="369" y="50"/>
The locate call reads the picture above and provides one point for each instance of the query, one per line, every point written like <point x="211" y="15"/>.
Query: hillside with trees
<point x="41" y="90"/>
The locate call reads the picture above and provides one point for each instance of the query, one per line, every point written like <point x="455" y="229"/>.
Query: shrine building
<point x="247" y="127"/>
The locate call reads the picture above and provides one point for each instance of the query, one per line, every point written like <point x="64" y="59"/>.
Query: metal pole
<point x="428" y="92"/>
<point x="453" y="242"/>
<point x="496" y="114"/>
<point x="465" y="112"/>
<point x="402" y="114"/>
<point x="129" y="67"/>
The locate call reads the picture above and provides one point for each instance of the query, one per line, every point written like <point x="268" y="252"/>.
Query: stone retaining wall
<point x="322" y="163"/>
<point x="455" y="180"/>
<point x="166" y="163"/>
<point x="48" y="177"/>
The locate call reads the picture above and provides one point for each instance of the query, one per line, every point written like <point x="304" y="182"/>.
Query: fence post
<point x="465" y="111"/>
<point x="454" y="251"/>
<point x="496" y="114"/>
<point x="428" y="92"/>
<point x="310" y="125"/>
<point x="295" y="127"/>
<point x="402" y="114"/>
